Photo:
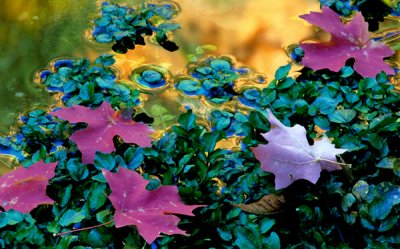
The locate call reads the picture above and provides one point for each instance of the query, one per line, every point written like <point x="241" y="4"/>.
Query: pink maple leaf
<point x="351" y="40"/>
<point x="289" y="156"/>
<point x="103" y="124"/>
<point x="150" y="211"/>
<point x="25" y="188"/>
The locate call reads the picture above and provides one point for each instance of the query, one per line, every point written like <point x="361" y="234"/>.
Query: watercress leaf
<point x="342" y="116"/>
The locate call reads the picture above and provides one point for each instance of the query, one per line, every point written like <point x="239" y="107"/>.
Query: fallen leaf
<point x="103" y="124"/>
<point x="289" y="156"/>
<point x="350" y="40"/>
<point x="25" y="188"/>
<point x="150" y="211"/>
<point x="268" y="204"/>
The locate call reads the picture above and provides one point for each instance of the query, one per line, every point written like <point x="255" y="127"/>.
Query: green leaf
<point x="3" y="219"/>
<point x="14" y="217"/>
<point x="71" y="217"/>
<point x="273" y="241"/>
<point x="153" y="184"/>
<point x="188" y="85"/>
<point x="96" y="196"/>
<point x="225" y="234"/>
<point x="210" y="140"/>
<point x="77" y="170"/>
<point x="346" y="71"/>
<point x="245" y="239"/>
<point x="100" y="237"/>
<point x="288" y="82"/>
<point x="322" y="122"/>
<point x="375" y="140"/>
<point x="348" y="201"/>
<point x="65" y="195"/>
<point x="388" y="163"/>
<point x="134" y="157"/>
<point x="282" y="72"/>
<point x="387" y="196"/>
<point x="104" y="161"/>
<point x="324" y="105"/>
<point x="219" y="64"/>
<point x="360" y="189"/>
<point x="266" y="224"/>
<point x="187" y="120"/>
<point x="104" y="216"/>
<point x="342" y="116"/>
<point x="66" y="241"/>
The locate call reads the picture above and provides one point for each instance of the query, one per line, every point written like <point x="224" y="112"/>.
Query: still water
<point x="35" y="32"/>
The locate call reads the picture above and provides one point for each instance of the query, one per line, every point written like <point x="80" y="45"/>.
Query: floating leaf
<point x="103" y="124"/>
<point x="25" y="188"/>
<point x="351" y="40"/>
<point x="150" y="211"/>
<point x="268" y="204"/>
<point x="289" y="156"/>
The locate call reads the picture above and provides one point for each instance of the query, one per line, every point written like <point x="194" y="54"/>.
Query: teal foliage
<point x="89" y="85"/>
<point x="213" y="78"/>
<point x="373" y="11"/>
<point x="126" y="27"/>
<point x="352" y="208"/>
<point x="40" y="136"/>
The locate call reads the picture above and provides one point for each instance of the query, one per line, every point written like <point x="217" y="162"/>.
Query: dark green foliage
<point x="126" y="27"/>
<point x="214" y="78"/>
<point x="352" y="208"/>
<point x="373" y="10"/>
<point x="40" y="136"/>
<point x="89" y="85"/>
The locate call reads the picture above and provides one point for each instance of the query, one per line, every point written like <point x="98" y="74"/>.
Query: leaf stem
<point x="85" y="228"/>
<point x="313" y="161"/>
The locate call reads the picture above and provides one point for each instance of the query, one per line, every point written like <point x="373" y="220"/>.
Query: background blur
<point x="35" y="32"/>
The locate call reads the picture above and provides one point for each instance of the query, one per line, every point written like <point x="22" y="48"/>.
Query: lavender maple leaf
<point x="150" y="211"/>
<point x="103" y="124"/>
<point x="25" y="188"/>
<point x="350" y="40"/>
<point x="289" y="156"/>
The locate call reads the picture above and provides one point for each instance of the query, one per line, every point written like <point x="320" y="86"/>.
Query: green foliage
<point x="355" y="207"/>
<point x="126" y="27"/>
<point x="89" y="85"/>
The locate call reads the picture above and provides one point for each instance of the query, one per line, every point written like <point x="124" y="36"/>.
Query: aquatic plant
<point x="310" y="161"/>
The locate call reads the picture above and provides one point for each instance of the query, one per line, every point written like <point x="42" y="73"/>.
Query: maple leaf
<point x="150" y="211"/>
<point x="289" y="156"/>
<point x="25" y="188"/>
<point x="351" y="40"/>
<point x="103" y="124"/>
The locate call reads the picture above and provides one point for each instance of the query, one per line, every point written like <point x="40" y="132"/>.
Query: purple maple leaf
<point x="25" y="188"/>
<point x="351" y="40"/>
<point x="150" y="211"/>
<point x="103" y="124"/>
<point x="289" y="156"/>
